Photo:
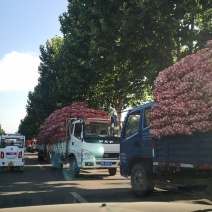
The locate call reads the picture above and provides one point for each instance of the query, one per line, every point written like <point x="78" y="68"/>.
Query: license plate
<point x="106" y="163"/>
<point x="10" y="164"/>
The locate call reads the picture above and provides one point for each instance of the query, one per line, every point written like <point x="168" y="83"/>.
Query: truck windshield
<point x="19" y="142"/>
<point x="100" y="130"/>
<point x="132" y="124"/>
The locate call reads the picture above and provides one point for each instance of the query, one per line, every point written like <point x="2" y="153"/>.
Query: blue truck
<point x="174" y="160"/>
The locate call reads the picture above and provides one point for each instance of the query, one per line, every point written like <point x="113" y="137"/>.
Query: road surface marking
<point x="78" y="197"/>
<point x="41" y="167"/>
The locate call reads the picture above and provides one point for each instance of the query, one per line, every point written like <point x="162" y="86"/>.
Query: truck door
<point x="146" y="140"/>
<point x="130" y="139"/>
<point x="76" y="141"/>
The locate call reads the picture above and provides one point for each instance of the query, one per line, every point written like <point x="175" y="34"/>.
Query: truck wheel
<point x="141" y="183"/>
<point x="73" y="168"/>
<point x="55" y="163"/>
<point x="47" y="159"/>
<point x="112" y="171"/>
<point x="40" y="158"/>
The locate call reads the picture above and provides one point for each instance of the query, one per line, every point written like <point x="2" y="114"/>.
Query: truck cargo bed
<point x="184" y="151"/>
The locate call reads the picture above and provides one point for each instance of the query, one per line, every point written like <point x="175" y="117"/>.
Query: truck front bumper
<point x="99" y="164"/>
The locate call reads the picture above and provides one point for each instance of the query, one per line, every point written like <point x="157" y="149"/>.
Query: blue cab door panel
<point x="130" y="139"/>
<point x="136" y="141"/>
<point x="146" y="144"/>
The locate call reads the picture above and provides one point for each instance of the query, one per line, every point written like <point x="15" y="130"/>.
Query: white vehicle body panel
<point x="12" y="151"/>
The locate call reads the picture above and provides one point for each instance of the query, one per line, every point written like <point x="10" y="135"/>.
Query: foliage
<point x="2" y="132"/>
<point x="46" y="96"/>
<point x="111" y="52"/>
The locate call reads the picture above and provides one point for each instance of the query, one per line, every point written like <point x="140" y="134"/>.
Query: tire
<point x="55" y="163"/>
<point x="21" y="168"/>
<point x="74" y="170"/>
<point x="47" y="159"/>
<point x="112" y="171"/>
<point x="141" y="182"/>
<point x="40" y="158"/>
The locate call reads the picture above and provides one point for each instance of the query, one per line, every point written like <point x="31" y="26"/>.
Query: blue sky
<point x="25" y="25"/>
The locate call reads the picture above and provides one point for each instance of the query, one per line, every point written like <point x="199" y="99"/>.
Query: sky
<point x="24" y="26"/>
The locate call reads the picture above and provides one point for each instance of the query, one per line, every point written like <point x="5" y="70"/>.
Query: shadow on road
<point x="39" y="184"/>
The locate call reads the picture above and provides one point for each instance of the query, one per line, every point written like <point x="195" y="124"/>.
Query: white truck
<point x="90" y="143"/>
<point x="12" y="151"/>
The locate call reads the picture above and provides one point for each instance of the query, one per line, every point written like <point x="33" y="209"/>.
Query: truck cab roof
<point x="142" y="106"/>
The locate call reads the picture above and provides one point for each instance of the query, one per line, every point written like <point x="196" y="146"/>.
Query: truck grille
<point x="110" y="155"/>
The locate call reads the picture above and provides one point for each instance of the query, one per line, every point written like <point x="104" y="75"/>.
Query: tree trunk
<point x="178" y="49"/>
<point x="191" y="33"/>
<point x="118" y="108"/>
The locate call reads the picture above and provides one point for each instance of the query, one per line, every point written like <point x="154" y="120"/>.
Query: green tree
<point x="2" y="132"/>
<point x="112" y="51"/>
<point x="46" y="95"/>
<point x="115" y="50"/>
<point x="191" y="28"/>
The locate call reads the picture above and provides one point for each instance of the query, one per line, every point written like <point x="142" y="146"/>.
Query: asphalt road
<point x="39" y="184"/>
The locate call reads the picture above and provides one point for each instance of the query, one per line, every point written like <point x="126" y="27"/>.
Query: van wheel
<point x="112" y="171"/>
<point x="21" y="168"/>
<point x="141" y="182"/>
<point x="74" y="170"/>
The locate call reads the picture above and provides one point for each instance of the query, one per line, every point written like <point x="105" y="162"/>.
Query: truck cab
<point x="136" y="149"/>
<point x="94" y="144"/>
<point x="136" y="142"/>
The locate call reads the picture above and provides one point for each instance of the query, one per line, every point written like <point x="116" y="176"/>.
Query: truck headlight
<point x="87" y="155"/>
